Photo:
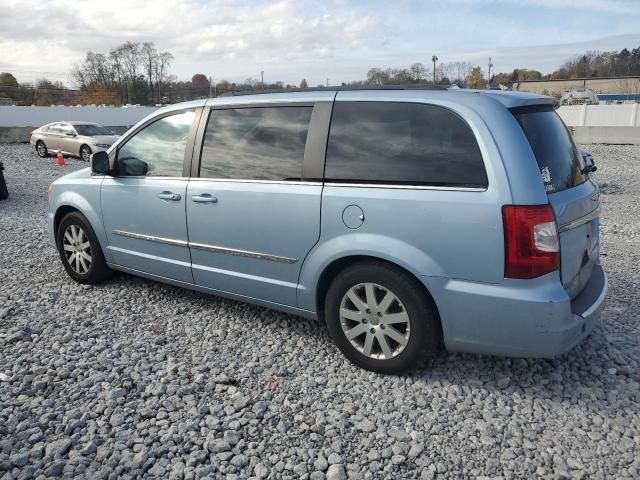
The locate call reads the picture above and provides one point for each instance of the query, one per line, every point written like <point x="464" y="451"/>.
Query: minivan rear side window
<point x="262" y="143"/>
<point x="402" y="143"/>
<point x="558" y="158"/>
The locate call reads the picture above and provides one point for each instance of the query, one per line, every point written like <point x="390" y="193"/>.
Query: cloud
<point x="55" y="34"/>
<point x="290" y="39"/>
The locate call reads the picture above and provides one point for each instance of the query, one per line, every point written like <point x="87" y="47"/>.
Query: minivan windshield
<point x="91" y="130"/>
<point x="558" y="158"/>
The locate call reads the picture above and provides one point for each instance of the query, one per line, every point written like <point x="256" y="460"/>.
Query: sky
<point x="338" y="40"/>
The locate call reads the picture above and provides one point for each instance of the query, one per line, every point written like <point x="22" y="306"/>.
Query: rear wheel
<point x="80" y="251"/>
<point x="41" y="149"/>
<point x="381" y="318"/>
<point x="85" y="153"/>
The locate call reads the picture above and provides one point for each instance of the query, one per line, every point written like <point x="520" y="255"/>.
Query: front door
<point x="67" y="140"/>
<point x="143" y="206"/>
<point x="252" y="217"/>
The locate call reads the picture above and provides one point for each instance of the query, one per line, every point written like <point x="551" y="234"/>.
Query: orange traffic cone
<point x="60" y="159"/>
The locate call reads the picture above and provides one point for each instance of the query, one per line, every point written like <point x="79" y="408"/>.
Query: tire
<point x="4" y="192"/>
<point x="85" y="153"/>
<point x="416" y="331"/>
<point x="80" y="250"/>
<point x="41" y="149"/>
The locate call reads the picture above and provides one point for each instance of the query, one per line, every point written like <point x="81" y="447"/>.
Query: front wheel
<point x="41" y="149"/>
<point x="80" y="251"/>
<point x="381" y="318"/>
<point x="85" y="153"/>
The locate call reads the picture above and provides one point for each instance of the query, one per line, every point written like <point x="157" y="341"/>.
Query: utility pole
<point x="490" y="65"/>
<point x="434" y="59"/>
<point x="209" y="86"/>
<point x="262" y="79"/>
<point x="327" y="82"/>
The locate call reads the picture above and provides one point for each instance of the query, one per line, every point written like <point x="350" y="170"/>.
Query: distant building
<point x="557" y="88"/>
<point x="580" y="96"/>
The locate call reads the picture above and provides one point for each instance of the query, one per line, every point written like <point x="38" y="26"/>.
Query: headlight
<point x="102" y="145"/>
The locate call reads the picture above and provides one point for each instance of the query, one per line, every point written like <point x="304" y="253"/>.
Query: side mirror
<point x="100" y="163"/>
<point x="132" y="167"/>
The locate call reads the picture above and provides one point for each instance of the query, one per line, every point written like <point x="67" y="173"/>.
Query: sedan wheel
<point x="41" y="149"/>
<point x="375" y="321"/>
<point x="77" y="249"/>
<point x="85" y="153"/>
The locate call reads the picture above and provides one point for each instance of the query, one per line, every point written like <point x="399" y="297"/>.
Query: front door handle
<point x="169" y="196"/>
<point x="204" y="198"/>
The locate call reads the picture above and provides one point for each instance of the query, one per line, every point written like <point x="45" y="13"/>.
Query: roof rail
<point x="418" y="86"/>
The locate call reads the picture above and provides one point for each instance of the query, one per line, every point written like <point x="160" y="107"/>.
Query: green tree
<point x="8" y="80"/>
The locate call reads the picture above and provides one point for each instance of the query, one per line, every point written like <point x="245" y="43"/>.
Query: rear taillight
<point x="532" y="247"/>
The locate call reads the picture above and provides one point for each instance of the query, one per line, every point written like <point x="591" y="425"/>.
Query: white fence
<point x="623" y="115"/>
<point x="12" y="116"/>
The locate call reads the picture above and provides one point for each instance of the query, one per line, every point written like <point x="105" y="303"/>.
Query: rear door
<point x="144" y="213"/>
<point x="254" y="212"/>
<point x="53" y="137"/>
<point x="573" y="195"/>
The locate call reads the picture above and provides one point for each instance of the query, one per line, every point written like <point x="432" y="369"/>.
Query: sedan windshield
<point x="92" y="130"/>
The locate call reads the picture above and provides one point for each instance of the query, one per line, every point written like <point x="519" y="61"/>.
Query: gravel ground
<point x="135" y="378"/>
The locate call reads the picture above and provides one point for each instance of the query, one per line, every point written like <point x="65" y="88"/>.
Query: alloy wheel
<point x="85" y="153"/>
<point x="375" y="321"/>
<point x="77" y="249"/>
<point x="42" y="149"/>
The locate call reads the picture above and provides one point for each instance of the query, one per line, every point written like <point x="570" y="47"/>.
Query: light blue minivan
<point x="404" y="218"/>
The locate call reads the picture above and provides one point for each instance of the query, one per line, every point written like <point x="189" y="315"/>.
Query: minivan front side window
<point x="160" y="146"/>
<point x="263" y="143"/>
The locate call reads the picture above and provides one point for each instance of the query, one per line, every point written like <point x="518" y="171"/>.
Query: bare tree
<point x="161" y="71"/>
<point x="419" y="71"/>
<point x="131" y="59"/>
<point x="149" y="56"/>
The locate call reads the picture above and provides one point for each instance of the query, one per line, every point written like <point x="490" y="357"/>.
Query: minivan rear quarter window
<point x="402" y="143"/>
<point x="558" y="158"/>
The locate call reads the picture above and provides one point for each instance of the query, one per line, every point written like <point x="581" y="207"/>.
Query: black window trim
<point x="547" y="108"/>
<point x="409" y="185"/>
<point x="315" y="146"/>
<point x="188" y="151"/>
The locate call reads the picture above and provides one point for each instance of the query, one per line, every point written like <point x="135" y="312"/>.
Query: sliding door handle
<point x="204" y="198"/>
<point x="169" y="196"/>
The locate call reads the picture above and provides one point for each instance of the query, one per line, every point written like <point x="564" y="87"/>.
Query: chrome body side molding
<point x="206" y="247"/>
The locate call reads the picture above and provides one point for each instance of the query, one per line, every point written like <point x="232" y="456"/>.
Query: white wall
<point x="624" y="115"/>
<point x="13" y="116"/>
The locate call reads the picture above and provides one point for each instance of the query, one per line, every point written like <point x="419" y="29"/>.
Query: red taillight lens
<point x="532" y="247"/>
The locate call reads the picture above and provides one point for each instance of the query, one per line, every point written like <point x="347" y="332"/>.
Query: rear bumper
<point x="520" y="318"/>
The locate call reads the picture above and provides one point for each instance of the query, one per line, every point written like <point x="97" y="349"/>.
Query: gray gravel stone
<point x="19" y="459"/>
<point x="240" y="461"/>
<point x="58" y="447"/>
<point x="336" y="472"/>
<point x="55" y="469"/>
